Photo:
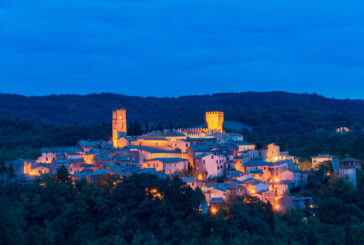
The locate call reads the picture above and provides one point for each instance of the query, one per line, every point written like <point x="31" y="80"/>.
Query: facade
<point x="350" y="163"/>
<point x="322" y="158"/>
<point x="293" y="202"/>
<point x="210" y="165"/>
<point x="167" y="165"/>
<point x="350" y="174"/>
<point x="214" y="121"/>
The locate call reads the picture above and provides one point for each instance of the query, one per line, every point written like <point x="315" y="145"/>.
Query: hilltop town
<point x="220" y="164"/>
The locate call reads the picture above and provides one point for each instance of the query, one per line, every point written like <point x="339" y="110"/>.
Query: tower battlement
<point x="215" y="113"/>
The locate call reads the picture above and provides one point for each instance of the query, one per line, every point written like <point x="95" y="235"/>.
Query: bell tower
<point x="118" y="125"/>
<point x="215" y="120"/>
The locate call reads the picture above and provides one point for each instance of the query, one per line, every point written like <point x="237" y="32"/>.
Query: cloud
<point x="171" y="48"/>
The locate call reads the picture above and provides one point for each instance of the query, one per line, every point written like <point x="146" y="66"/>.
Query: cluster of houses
<point x="220" y="164"/>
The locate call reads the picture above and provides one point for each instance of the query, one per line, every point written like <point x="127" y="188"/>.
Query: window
<point x="212" y="157"/>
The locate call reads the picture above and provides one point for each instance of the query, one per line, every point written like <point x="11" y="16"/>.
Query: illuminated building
<point x="214" y="121"/>
<point x="118" y="125"/>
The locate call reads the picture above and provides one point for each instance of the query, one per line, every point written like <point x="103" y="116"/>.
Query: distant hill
<point x="251" y="108"/>
<point x="303" y="124"/>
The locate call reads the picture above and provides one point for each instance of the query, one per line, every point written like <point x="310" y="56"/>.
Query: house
<point x="202" y="141"/>
<point x="294" y="176"/>
<point x="272" y="153"/>
<point x="209" y="164"/>
<point x="167" y="165"/>
<point x="281" y="188"/>
<point x="350" y="162"/>
<point x="293" y="202"/>
<point x="244" y="146"/>
<point x="342" y="130"/>
<point x="271" y="170"/>
<point x="239" y="187"/>
<point x="87" y="145"/>
<point x="322" y="158"/>
<point x="251" y="185"/>
<point x="350" y="174"/>
<point x="218" y="190"/>
<point x="152" y="152"/>
<point x="89" y="157"/>
<point x="181" y="144"/>
<point x="36" y="169"/>
<point x="48" y="155"/>
<point x="157" y="142"/>
<point x="192" y="182"/>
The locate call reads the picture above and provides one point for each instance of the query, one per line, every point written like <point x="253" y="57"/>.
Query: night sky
<point x="181" y="47"/>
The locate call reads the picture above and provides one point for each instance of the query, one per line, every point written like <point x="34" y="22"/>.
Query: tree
<point x="62" y="174"/>
<point x="311" y="239"/>
<point x="11" y="171"/>
<point x="146" y="127"/>
<point x="2" y="171"/>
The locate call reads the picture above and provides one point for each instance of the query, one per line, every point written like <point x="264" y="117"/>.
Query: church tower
<point x="215" y="120"/>
<point x="118" y="125"/>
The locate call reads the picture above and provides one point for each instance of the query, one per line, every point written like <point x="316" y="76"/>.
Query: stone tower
<point x="118" y="125"/>
<point x="214" y="120"/>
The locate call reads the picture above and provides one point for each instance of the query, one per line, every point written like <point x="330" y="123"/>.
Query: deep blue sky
<point x="180" y="47"/>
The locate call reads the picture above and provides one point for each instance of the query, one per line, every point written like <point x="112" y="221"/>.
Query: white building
<point x="322" y="158"/>
<point x="210" y="165"/>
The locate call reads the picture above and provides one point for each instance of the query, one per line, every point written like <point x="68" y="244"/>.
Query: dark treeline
<point x="21" y="138"/>
<point x="148" y="210"/>
<point x="284" y="111"/>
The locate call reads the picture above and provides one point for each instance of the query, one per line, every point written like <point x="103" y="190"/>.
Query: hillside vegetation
<point x="301" y="123"/>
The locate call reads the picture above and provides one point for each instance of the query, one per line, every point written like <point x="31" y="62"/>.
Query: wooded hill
<point x="304" y="124"/>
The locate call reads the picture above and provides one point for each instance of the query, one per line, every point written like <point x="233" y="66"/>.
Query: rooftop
<point x="60" y="149"/>
<point x="149" y="149"/>
<point x="349" y="159"/>
<point x="168" y="160"/>
<point x="164" y="133"/>
<point x="89" y="143"/>
<point x="324" y="156"/>
<point x="189" y="179"/>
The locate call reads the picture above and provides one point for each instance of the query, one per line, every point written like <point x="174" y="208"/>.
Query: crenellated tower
<point x="118" y="125"/>
<point x="215" y="120"/>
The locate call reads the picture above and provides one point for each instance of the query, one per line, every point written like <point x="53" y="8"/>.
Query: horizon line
<point x="176" y="97"/>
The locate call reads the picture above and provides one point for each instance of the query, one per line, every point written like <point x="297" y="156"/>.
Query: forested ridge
<point x="252" y="108"/>
<point x="303" y="124"/>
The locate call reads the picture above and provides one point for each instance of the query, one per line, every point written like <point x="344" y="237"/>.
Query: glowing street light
<point x="213" y="210"/>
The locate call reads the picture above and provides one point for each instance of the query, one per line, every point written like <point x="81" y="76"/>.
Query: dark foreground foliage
<point x="144" y="209"/>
